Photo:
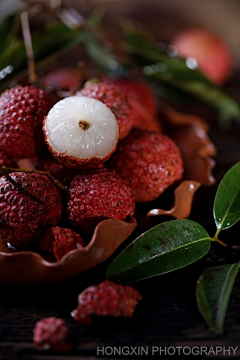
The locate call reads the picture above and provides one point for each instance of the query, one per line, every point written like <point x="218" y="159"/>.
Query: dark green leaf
<point x="213" y="292"/>
<point x="227" y="200"/>
<point x="102" y="56"/>
<point x="164" y="248"/>
<point x="5" y="26"/>
<point x="173" y="72"/>
<point x="54" y="38"/>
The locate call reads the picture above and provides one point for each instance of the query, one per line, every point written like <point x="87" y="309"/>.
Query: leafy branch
<point x="177" y="243"/>
<point x="137" y="51"/>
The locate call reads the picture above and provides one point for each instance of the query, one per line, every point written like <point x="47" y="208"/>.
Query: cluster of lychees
<point x="104" y="143"/>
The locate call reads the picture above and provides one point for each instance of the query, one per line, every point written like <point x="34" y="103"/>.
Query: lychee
<point x="106" y="299"/>
<point x="142" y="101"/>
<point x="60" y="241"/>
<point x="98" y="194"/>
<point x="137" y="89"/>
<point x="148" y="163"/>
<point x="5" y="160"/>
<point x="51" y="333"/>
<point x="81" y="132"/>
<point x="212" y="54"/>
<point x="29" y="203"/>
<point x="115" y="100"/>
<point x="22" y="110"/>
<point x="64" y="78"/>
<point x="47" y="162"/>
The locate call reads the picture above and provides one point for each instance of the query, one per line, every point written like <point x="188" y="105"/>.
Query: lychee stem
<point x="4" y="171"/>
<point x="84" y="125"/>
<point x="55" y="181"/>
<point x="90" y="82"/>
<point x="28" y="45"/>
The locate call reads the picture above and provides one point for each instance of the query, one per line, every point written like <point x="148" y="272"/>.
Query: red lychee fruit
<point x="65" y="78"/>
<point x="106" y="299"/>
<point x="136" y="89"/>
<point x="29" y="203"/>
<point x="60" y="241"/>
<point x="22" y="110"/>
<point x="98" y="194"/>
<point x="5" y="160"/>
<point x="148" y="163"/>
<point x="47" y="162"/>
<point x="211" y="52"/>
<point x="51" y="333"/>
<point x="81" y="132"/>
<point x="115" y="100"/>
<point x="142" y="101"/>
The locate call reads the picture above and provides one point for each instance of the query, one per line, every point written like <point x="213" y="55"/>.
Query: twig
<point x="28" y="45"/>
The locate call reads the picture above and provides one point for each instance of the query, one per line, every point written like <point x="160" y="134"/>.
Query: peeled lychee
<point x="29" y="203"/>
<point x="148" y="163"/>
<point x="22" y="110"/>
<point x="115" y="100"/>
<point x="98" y="194"/>
<point x="211" y="52"/>
<point x="81" y="132"/>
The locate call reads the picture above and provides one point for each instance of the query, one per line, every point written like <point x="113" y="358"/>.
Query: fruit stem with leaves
<point x="177" y="243"/>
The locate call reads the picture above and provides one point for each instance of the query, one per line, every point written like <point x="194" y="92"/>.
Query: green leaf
<point x="213" y="292"/>
<point x="173" y="72"/>
<point x="102" y="56"/>
<point x="226" y="207"/>
<point x="166" y="247"/>
<point x="54" y="38"/>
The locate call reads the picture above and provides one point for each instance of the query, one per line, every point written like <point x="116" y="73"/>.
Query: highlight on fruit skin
<point x="148" y="162"/>
<point x="206" y="50"/>
<point x="81" y="132"/>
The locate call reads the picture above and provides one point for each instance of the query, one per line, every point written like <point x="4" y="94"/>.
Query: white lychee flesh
<point x="79" y="129"/>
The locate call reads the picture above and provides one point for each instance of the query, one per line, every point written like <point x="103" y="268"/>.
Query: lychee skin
<point x="212" y="54"/>
<point x="115" y="100"/>
<point x="65" y="78"/>
<point x="25" y="217"/>
<point x="60" y="241"/>
<point x="22" y="110"/>
<point x="5" y="160"/>
<point x="47" y="162"/>
<point x="98" y="194"/>
<point x="137" y="89"/>
<point x="142" y="101"/>
<point x="148" y="163"/>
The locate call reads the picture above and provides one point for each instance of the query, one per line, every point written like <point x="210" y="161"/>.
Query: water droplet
<point x="5" y="71"/>
<point x="192" y="63"/>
